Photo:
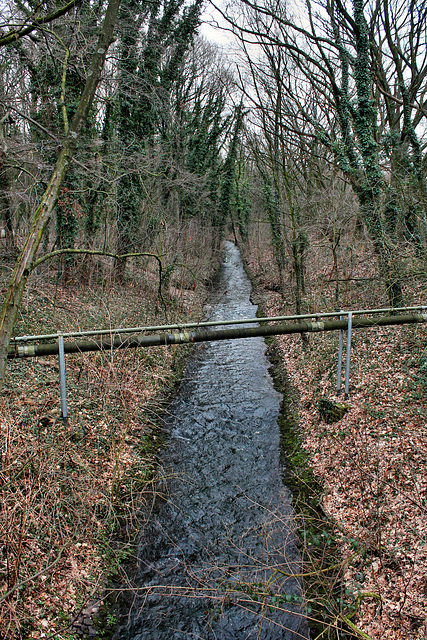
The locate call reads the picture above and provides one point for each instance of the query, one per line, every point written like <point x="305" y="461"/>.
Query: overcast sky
<point x="210" y="18"/>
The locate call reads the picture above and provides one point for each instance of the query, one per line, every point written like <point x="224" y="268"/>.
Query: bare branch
<point x="16" y="34"/>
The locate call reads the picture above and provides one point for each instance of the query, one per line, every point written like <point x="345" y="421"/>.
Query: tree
<point x="241" y="203"/>
<point x="43" y="212"/>
<point x="200" y="129"/>
<point x="227" y="184"/>
<point x="33" y="21"/>
<point x="344" y="54"/>
<point x="282" y="160"/>
<point x="399" y="59"/>
<point x="155" y="60"/>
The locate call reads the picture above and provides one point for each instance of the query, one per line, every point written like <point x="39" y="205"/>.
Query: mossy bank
<point x="329" y="610"/>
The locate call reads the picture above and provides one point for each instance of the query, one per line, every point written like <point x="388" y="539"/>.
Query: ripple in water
<point x="216" y="558"/>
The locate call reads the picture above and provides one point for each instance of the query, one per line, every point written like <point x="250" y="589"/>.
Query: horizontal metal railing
<point x="211" y="323"/>
<point x="202" y="333"/>
<point x="206" y="335"/>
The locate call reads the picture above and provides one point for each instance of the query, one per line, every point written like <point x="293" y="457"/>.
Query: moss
<point x="298" y="474"/>
<point x="332" y="411"/>
<point x="317" y="533"/>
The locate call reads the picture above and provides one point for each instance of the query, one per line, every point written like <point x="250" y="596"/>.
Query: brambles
<point x="358" y="483"/>
<point x="70" y="494"/>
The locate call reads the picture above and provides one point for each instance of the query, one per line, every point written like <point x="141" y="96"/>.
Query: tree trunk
<point x="25" y="260"/>
<point x="371" y="191"/>
<point x="388" y="262"/>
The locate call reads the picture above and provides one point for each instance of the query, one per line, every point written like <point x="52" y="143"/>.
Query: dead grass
<point x="70" y="494"/>
<point x="372" y="463"/>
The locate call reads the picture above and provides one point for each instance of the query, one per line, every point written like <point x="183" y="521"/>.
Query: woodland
<point x="130" y="148"/>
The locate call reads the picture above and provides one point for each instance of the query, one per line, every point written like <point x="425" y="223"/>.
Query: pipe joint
<point x="26" y="351"/>
<point x="317" y="326"/>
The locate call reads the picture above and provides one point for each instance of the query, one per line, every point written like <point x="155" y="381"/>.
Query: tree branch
<point x="109" y="254"/>
<point x="15" y="34"/>
<point x="26" y="117"/>
<point x="94" y="252"/>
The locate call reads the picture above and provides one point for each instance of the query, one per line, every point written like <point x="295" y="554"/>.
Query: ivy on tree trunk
<point x="42" y="215"/>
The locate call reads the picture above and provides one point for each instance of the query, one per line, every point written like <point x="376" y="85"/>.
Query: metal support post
<point x="340" y="341"/>
<point x="62" y="380"/>
<point x="347" y="362"/>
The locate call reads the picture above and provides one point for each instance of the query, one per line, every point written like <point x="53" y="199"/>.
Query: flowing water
<point x="215" y="557"/>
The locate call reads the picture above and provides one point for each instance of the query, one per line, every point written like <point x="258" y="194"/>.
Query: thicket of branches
<point x="103" y="150"/>
<point x="337" y="127"/>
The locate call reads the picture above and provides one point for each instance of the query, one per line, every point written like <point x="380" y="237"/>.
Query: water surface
<point x="222" y="538"/>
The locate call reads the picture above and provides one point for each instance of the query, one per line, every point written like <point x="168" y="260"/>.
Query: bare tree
<point x="43" y="212"/>
<point x="348" y="54"/>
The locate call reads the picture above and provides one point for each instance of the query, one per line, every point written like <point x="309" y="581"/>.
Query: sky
<point x="210" y="18"/>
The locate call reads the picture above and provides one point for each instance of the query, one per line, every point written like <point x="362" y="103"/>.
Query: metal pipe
<point x="340" y="341"/>
<point x="206" y="335"/>
<point x="62" y="379"/>
<point x="211" y="323"/>
<point x="347" y="361"/>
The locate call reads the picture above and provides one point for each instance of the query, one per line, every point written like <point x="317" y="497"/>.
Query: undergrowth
<point x="359" y="485"/>
<point x="71" y="494"/>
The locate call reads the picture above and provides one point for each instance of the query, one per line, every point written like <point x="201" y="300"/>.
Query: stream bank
<point x="330" y="605"/>
<point x="320" y="555"/>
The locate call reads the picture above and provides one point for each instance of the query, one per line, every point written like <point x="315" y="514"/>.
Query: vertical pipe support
<point x="347" y="362"/>
<point x="340" y="342"/>
<point x="62" y="379"/>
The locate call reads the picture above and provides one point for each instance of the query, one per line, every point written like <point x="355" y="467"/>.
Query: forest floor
<point x="71" y="492"/>
<point x="371" y="464"/>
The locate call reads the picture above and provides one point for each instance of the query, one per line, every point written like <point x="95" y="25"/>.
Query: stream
<point x="217" y="556"/>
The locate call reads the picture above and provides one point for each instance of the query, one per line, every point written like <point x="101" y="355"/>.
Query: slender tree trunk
<point x="25" y="260"/>
<point x="334" y="246"/>
<point x="388" y="262"/>
<point x="371" y="192"/>
<point x="4" y="198"/>
<point x="7" y="215"/>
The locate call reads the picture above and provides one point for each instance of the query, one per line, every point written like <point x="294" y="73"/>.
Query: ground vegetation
<point x="73" y="494"/>
<point x="358" y="482"/>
